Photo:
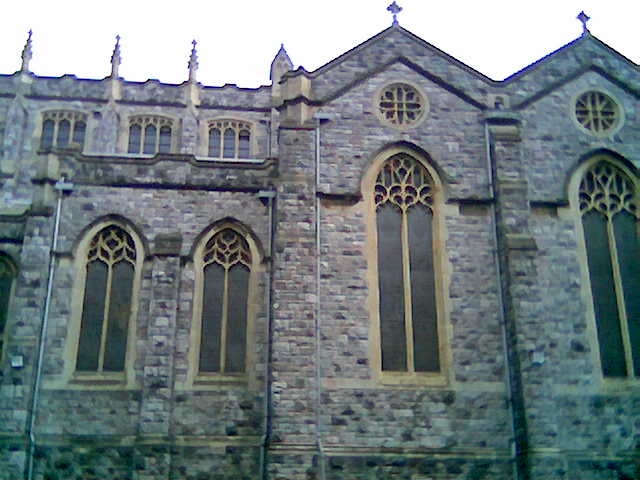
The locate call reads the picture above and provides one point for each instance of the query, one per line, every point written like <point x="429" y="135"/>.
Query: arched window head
<point x="7" y="277"/>
<point x="135" y="137"/>
<point x="107" y="305"/>
<point x="226" y="269"/>
<point x="215" y="141"/>
<point x="229" y="139"/>
<point x="164" y="145"/>
<point x="64" y="131"/>
<point x="403" y="196"/>
<point x="150" y="139"/>
<point x="608" y="203"/>
<point x="60" y="128"/>
<point x="150" y="134"/>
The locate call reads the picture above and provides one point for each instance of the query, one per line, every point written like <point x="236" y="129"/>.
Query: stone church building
<point x="391" y="267"/>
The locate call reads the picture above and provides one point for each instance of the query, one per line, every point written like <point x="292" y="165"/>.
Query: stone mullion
<point x="105" y="316"/>
<point x="153" y="461"/>
<point x="408" y="305"/>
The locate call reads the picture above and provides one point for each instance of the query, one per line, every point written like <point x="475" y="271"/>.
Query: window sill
<point x="92" y="381"/>
<point x="213" y="381"/>
<point x="622" y="385"/>
<point x="413" y="379"/>
<point x="217" y="378"/>
<point x="94" y="378"/>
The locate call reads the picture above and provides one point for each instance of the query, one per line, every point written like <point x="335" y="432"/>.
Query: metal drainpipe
<point x="270" y="196"/>
<point x="501" y="294"/>
<point x="61" y="186"/>
<point x="319" y="117"/>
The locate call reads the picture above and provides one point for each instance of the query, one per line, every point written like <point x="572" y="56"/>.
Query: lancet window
<point x="404" y="203"/>
<point x="609" y="207"/>
<point x="110" y="274"/>
<point x="226" y="264"/>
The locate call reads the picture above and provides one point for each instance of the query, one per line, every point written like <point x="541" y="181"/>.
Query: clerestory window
<point x="609" y="208"/>
<point x="150" y="134"/>
<point x="111" y="268"/>
<point x="63" y="128"/>
<point x="229" y="139"/>
<point x="408" y="313"/>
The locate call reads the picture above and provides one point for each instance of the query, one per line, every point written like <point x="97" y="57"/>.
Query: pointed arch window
<point x="61" y="128"/>
<point x="226" y="264"/>
<point x="150" y="134"/>
<point x="609" y="210"/>
<point x="110" y="273"/>
<point x="7" y="277"/>
<point x="229" y="139"/>
<point x="408" y="314"/>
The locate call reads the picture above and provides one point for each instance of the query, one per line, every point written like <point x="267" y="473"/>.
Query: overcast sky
<point x="237" y="39"/>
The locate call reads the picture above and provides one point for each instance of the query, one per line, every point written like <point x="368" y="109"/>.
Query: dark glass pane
<point x="64" y="132"/>
<point x="423" y="291"/>
<point x="150" y="134"/>
<point x="165" y="139"/>
<point x="6" y="280"/>
<point x="626" y="231"/>
<point x="244" y="144"/>
<point x="46" y="141"/>
<point x="214" y="142"/>
<point x="79" y="130"/>
<point x="237" y="318"/>
<point x="229" y="148"/>
<point x="92" y="317"/>
<point x="119" y="314"/>
<point x="211" y="318"/>
<point x="5" y="292"/>
<point x="392" y="329"/>
<point x="604" y="295"/>
<point x="135" y="134"/>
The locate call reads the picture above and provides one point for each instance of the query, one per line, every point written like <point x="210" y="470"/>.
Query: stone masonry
<point x="520" y="393"/>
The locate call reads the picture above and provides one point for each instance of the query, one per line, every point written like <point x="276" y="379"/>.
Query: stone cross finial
<point x="116" y="59"/>
<point x="584" y="18"/>
<point x="27" y="53"/>
<point x="395" y="9"/>
<point x="193" y="62"/>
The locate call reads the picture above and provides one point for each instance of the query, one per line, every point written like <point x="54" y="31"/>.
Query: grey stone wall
<point x="521" y="373"/>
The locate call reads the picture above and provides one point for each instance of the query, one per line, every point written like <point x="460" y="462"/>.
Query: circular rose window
<point x="401" y="105"/>
<point x="597" y="112"/>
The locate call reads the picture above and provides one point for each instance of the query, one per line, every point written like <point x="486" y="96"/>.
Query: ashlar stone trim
<point x="441" y="275"/>
<point x="249" y="255"/>
<point x="597" y="112"/>
<point x="577" y="204"/>
<point x="100" y="379"/>
<point x="401" y="104"/>
<point x="237" y="125"/>
<point x="143" y="120"/>
<point x="77" y="130"/>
